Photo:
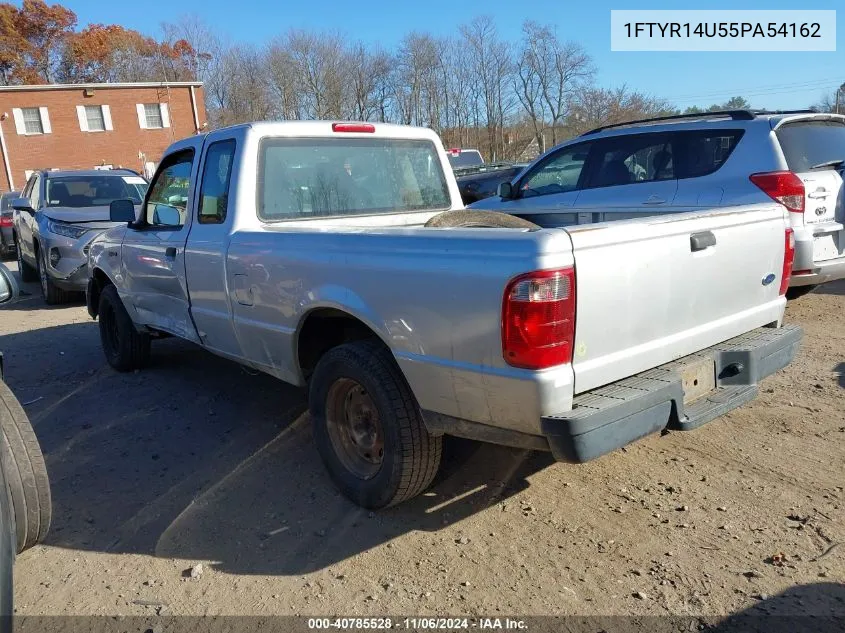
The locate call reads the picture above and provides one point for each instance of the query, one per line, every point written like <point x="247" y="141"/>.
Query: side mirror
<point x="122" y="211"/>
<point x="505" y="190"/>
<point x="8" y="286"/>
<point x="22" y="204"/>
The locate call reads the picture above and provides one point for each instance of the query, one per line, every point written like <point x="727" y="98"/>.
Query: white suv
<point x="694" y="162"/>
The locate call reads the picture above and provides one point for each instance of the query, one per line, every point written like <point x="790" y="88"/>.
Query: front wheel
<point x="26" y="271"/>
<point x="125" y="348"/>
<point x="368" y="427"/>
<point x="51" y="293"/>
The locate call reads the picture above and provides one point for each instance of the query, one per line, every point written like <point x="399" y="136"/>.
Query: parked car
<point x="25" y="504"/>
<point x="694" y="162"/>
<point x="573" y="340"/>
<point x="7" y="240"/>
<point x="459" y="158"/>
<point x="57" y="216"/>
<point x="482" y="181"/>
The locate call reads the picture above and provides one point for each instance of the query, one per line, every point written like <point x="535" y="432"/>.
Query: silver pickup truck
<point x="316" y="252"/>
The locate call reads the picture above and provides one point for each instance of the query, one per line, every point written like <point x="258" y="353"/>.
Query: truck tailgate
<point x="655" y="289"/>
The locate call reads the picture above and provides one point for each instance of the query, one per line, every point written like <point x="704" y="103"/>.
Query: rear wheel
<point x="368" y="427"/>
<point x="25" y="473"/>
<point x="799" y="291"/>
<point x="466" y="218"/>
<point x="125" y="348"/>
<point x="52" y="294"/>
<point x="26" y="271"/>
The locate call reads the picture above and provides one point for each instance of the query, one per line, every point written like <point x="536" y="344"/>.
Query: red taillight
<point x="353" y="127"/>
<point x="788" y="260"/>
<point x="5" y="220"/>
<point x="783" y="186"/>
<point x="454" y="151"/>
<point x="538" y="319"/>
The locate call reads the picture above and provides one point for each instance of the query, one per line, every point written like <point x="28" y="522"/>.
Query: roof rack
<point x="736" y="115"/>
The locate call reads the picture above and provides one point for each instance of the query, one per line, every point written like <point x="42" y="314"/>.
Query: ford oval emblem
<point x="768" y="279"/>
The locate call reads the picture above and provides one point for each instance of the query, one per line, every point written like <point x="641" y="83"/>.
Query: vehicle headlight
<point x="68" y="230"/>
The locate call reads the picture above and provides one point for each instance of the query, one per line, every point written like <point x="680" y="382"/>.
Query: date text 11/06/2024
<point x="423" y="623"/>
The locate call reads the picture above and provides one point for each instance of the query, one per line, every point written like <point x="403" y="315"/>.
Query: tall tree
<point x="32" y="38"/>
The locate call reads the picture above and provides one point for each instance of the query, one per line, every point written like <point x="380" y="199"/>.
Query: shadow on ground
<point x="196" y="458"/>
<point x="831" y="288"/>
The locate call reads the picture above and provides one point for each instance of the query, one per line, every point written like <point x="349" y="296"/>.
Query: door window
<point x="629" y="159"/>
<point x="35" y="195"/>
<point x="560" y="173"/>
<point x="168" y="198"/>
<point x="214" y="192"/>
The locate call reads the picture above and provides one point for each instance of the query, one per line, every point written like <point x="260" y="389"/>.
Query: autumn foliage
<point x="39" y="43"/>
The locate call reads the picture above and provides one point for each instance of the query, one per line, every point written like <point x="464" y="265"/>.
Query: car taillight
<point x="353" y="127"/>
<point x="538" y="319"/>
<point x="788" y="260"/>
<point x="784" y="186"/>
<point x="5" y="220"/>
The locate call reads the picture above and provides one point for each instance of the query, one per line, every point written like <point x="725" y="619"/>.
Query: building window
<point x="152" y="112"/>
<point x="94" y="118"/>
<point x="153" y="116"/>
<point x="31" y="120"/>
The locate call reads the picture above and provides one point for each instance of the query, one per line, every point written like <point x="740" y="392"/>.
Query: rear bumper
<point x="820" y="272"/>
<point x="612" y="416"/>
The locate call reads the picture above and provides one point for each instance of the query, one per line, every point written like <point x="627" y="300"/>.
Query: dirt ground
<point x="195" y="460"/>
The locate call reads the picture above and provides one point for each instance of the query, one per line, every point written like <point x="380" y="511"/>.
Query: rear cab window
<point x="319" y="178"/>
<point x="806" y="144"/>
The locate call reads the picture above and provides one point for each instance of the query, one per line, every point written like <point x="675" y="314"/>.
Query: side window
<point x="558" y="174"/>
<point x="168" y="199"/>
<point x="35" y="194"/>
<point x="214" y="191"/>
<point x="702" y="153"/>
<point x="625" y="160"/>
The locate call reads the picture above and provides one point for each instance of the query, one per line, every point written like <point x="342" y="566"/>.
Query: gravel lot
<point x="195" y="460"/>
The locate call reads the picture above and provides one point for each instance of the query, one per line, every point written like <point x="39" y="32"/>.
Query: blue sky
<point x="770" y="80"/>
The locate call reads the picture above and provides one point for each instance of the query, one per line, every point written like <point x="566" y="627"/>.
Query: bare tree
<point x="595" y="107"/>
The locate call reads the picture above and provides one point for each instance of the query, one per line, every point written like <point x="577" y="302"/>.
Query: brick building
<point x="81" y="126"/>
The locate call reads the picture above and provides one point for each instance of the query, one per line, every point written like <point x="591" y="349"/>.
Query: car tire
<point x="28" y="273"/>
<point x="126" y="348"/>
<point x="799" y="291"/>
<point x="361" y="381"/>
<point x="467" y="218"/>
<point x="51" y="293"/>
<point x="25" y="472"/>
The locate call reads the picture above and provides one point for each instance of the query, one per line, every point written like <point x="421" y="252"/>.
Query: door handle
<point x="821" y="192"/>
<point x="170" y="252"/>
<point x="700" y="241"/>
<point x="655" y="200"/>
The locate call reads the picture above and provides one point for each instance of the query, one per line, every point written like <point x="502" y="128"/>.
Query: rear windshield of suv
<point x="809" y="143"/>
<point x="465" y="158"/>
<point x="306" y="178"/>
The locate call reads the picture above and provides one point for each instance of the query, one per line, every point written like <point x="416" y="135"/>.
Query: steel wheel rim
<point x="355" y="428"/>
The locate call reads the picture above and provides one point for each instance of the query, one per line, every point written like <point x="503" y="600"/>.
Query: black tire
<point x="466" y="218"/>
<point x="28" y="273"/>
<point x="125" y="348"/>
<point x="799" y="291"/>
<point x="25" y="472"/>
<point x="411" y="456"/>
<point x="51" y="293"/>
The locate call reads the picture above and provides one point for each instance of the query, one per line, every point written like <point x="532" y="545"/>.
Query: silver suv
<point x="693" y="162"/>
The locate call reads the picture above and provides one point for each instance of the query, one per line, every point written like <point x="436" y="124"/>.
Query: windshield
<point x="467" y="158"/>
<point x="302" y="178"/>
<point x="809" y="143"/>
<point x="94" y="191"/>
